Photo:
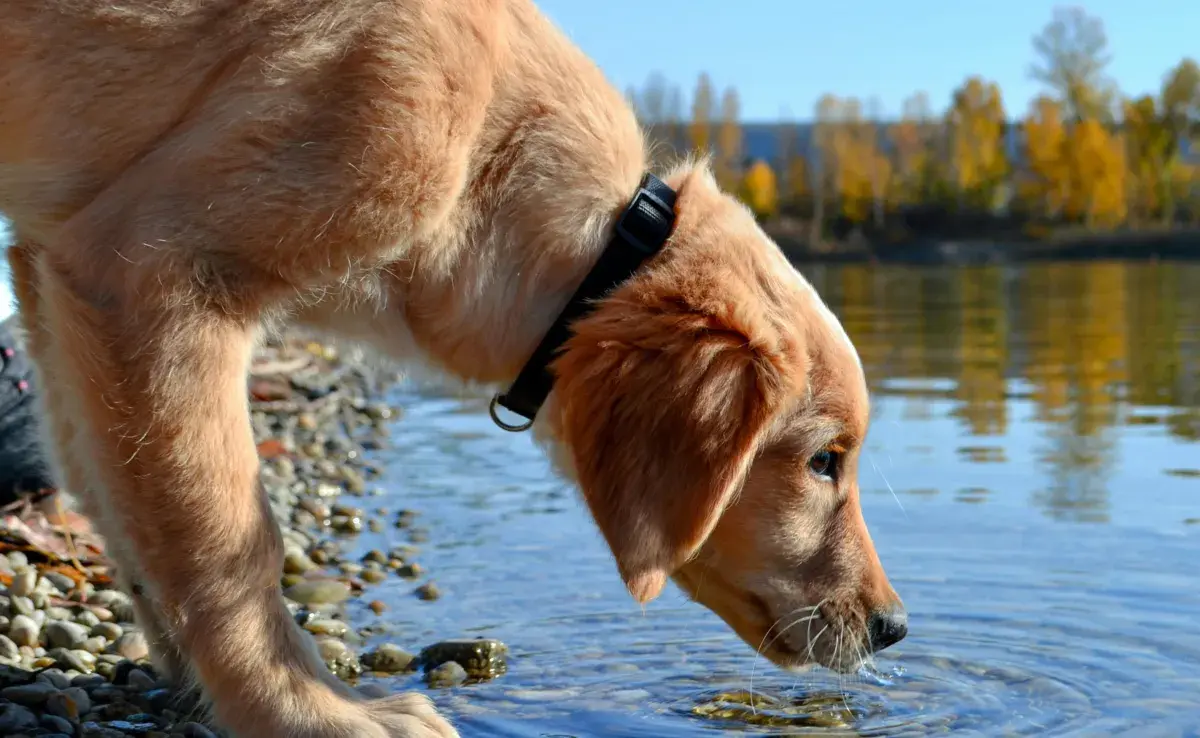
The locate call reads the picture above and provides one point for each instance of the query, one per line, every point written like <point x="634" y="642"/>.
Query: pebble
<point x="318" y="592"/>
<point x="65" y="634"/>
<point x="449" y="674"/>
<point x="75" y="671"/>
<point x="389" y="659"/>
<point x="132" y="646"/>
<point x="24" y="631"/>
<point x="428" y="591"/>
<point x="16" y="718"/>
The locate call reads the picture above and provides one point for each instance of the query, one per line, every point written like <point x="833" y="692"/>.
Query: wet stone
<point x="318" y="592"/>
<point x="449" y="674"/>
<point x="389" y="659"/>
<point x="481" y="658"/>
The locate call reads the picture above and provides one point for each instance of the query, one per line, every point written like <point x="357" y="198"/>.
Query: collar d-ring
<point x="511" y="428"/>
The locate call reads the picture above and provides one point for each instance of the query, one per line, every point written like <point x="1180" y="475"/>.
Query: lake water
<point x="1031" y="479"/>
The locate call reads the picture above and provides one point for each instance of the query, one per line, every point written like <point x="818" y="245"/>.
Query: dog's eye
<point x="824" y="463"/>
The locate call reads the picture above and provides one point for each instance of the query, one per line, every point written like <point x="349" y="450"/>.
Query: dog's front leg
<point x="152" y="373"/>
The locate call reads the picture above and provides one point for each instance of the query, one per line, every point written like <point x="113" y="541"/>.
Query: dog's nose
<point x="887" y="627"/>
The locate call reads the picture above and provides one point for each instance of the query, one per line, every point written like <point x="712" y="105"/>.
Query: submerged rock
<point x="449" y="674"/>
<point x="389" y="659"/>
<point x="481" y="658"/>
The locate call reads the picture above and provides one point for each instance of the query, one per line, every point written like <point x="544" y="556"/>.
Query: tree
<point x="658" y="106"/>
<point x="824" y="161"/>
<point x="729" y="143"/>
<point x="911" y="155"/>
<point x="880" y="169"/>
<point x="1073" y="48"/>
<point x="1045" y="188"/>
<point x="797" y="191"/>
<point x="700" y="130"/>
<point x="1149" y="149"/>
<point x="976" y="124"/>
<point x="1181" y="97"/>
<point x="1180" y="105"/>
<point x="852" y="159"/>
<point x="1095" y="163"/>
<point x="758" y="189"/>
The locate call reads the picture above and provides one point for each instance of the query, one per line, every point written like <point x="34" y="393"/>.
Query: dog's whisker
<point x="812" y="615"/>
<point x="889" y="486"/>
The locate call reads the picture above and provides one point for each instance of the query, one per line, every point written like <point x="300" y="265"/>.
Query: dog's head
<point x="712" y="411"/>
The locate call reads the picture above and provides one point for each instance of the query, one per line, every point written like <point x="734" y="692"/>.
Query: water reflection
<point x="1089" y="348"/>
<point x="1030" y="479"/>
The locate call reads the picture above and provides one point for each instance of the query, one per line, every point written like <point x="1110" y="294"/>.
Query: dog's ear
<point x="663" y="393"/>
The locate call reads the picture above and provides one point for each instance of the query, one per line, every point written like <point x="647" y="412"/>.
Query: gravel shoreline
<point x="72" y="663"/>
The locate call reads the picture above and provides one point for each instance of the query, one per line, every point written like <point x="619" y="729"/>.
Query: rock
<point x="29" y="694"/>
<point x="59" y="725"/>
<point x="87" y="619"/>
<point x="24" y="631"/>
<point x="339" y="658"/>
<point x="428" y="591"/>
<point x="56" y="678"/>
<point x="24" y="583"/>
<point x="325" y="626"/>
<point x="389" y="659"/>
<point x="449" y="674"/>
<point x="70" y="703"/>
<point x="376" y="556"/>
<point x="318" y="592"/>
<point x="8" y="649"/>
<point x="107" y="631"/>
<point x="482" y="658"/>
<point x="65" y="634"/>
<point x="140" y="681"/>
<point x="377" y="607"/>
<point x="132" y="646"/>
<point x="410" y="571"/>
<point x="373" y="576"/>
<point x="61" y="582"/>
<point x="15" y="719"/>
<point x="295" y="561"/>
<point x="76" y="659"/>
<point x="24" y="606"/>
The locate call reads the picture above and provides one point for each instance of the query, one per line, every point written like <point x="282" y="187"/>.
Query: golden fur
<point x="435" y="177"/>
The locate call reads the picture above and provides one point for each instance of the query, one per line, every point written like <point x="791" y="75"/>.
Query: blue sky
<point x="782" y="56"/>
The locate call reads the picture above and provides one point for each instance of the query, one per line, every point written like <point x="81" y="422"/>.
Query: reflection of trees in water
<point x="1091" y="339"/>
<point x="1079" y="455"/>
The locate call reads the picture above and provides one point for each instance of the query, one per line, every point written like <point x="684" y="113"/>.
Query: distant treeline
<point x="1083" y="158"/>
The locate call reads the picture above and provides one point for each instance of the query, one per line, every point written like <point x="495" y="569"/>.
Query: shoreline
<point x="72" y="663"/>
<point x="1181" y="246"/>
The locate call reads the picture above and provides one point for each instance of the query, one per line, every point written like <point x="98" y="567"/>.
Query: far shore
<point x="1130" y="246"/>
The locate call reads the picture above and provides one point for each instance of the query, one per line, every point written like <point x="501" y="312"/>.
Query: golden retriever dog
<point x="437" y="176"/>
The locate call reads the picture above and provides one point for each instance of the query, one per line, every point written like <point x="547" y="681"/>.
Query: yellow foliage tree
<point x="759" y="190"/>
<point x="729" y="143"/>
<point x="797" y="190"/>
<point x="1149" y="151"/>
<point x="1045" y="187"/>
<point x="976" y="122"/>
<point x="857" y="161"/>
<point x="911" y="156"/>
<point x="1096" y="166"/>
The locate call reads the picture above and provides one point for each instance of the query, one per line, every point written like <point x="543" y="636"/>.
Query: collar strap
<point x="640" y="233"/>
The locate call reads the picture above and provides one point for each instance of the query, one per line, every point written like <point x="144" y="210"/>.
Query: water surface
<point x="1031" y="480"/>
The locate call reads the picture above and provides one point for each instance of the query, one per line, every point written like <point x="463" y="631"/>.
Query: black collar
<point x="640" y="233"/>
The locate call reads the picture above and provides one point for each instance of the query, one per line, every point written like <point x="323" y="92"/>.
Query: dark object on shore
<point x="22" y="464"/>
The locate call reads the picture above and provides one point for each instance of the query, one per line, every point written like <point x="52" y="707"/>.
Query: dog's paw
<point x="410" y="715"/>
